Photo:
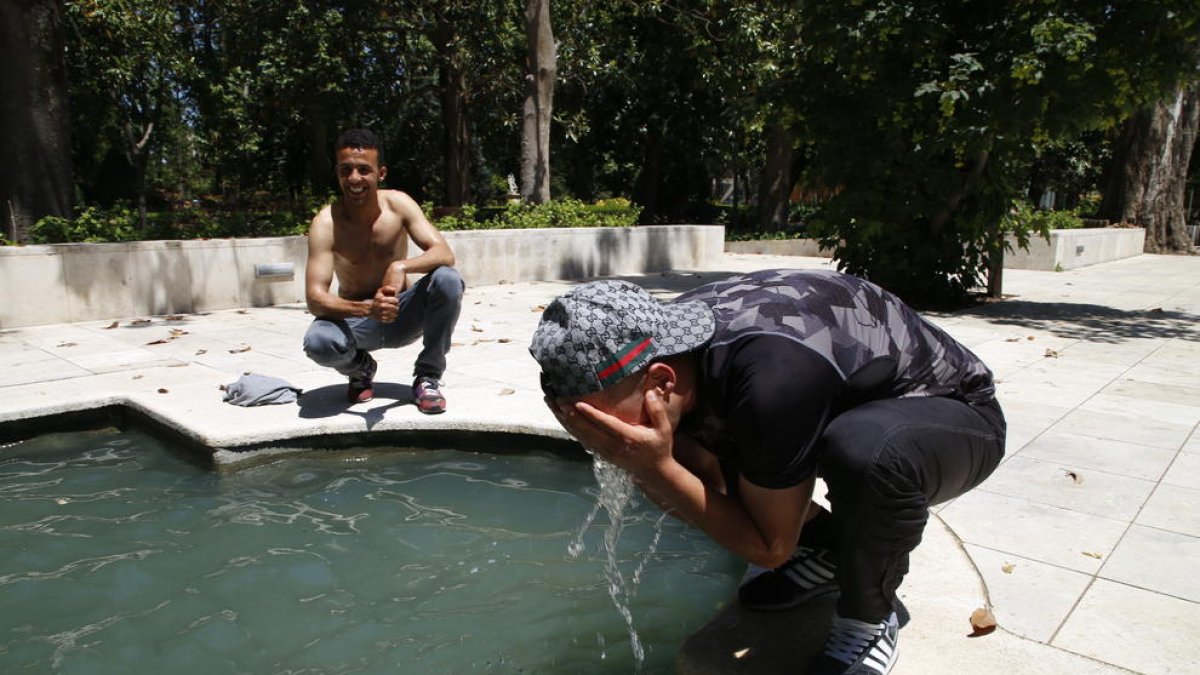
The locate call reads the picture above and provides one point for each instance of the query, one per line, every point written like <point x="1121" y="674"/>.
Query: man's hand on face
<point x="385" y="305"/>
<point x="639" y="449"/>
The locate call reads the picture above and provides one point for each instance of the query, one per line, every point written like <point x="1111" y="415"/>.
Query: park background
<point x="909" y="137"/>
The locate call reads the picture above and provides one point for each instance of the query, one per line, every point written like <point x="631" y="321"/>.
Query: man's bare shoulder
<point x="322" y="224"/>
<point x="399" y="202"/>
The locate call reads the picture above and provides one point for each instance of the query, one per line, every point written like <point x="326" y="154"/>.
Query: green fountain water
<point x="121" y="555"/>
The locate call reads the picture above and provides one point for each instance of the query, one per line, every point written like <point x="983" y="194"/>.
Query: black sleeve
<point x="781" y="396"/>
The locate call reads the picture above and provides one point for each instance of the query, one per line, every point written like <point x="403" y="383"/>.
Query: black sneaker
<point x="429" y="398"/>
<point x="859" y="648"/>
<point x="362" y="382"/>
<point x="808" y="574"/>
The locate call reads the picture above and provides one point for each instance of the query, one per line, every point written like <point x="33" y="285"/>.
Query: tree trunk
<point x="542" y="68"/>
<point x="457" y="136"/>
<point x="775" y="188"/>
<point x="318" y="168"/>
<point x="1147" y="183"/>
<point x="35" y="129"/>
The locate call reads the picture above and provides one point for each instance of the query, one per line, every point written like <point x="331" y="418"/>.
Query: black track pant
<point x="885" y="463"/>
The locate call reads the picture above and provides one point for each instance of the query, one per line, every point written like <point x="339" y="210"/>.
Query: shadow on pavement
<point x="1094" y="323"/>
<point x="331" y="400"/>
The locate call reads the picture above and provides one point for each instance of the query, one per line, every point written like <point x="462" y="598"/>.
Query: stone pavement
<point x="1083" y="542"/>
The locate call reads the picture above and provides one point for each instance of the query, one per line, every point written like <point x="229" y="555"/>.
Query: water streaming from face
<point x="617" y="493"/>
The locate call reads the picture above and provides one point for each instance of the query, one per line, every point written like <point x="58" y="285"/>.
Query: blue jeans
<point x="428" y="309"/>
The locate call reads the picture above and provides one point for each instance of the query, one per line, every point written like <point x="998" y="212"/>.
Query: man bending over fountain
<point x="726" y="404"/>
<point x="362" y="239"/>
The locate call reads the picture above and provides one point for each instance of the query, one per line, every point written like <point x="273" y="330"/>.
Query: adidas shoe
<point x="429" y="398"/>
<point x="859" y="648"/>
<point x="362" y="382"/>
<point x="808" y="574"/>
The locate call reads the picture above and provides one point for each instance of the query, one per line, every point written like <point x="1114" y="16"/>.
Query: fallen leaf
<point x="538" y="308"/>
<point x="504" y="341"/>
<point x="1052" y="353"/>
<point x="1075" y="477"/>
<point x="162" y="341"/>
<point x="138" y="377"/>
<point x="1156" y="310"/>
<point x="239" y="350"/>
<point x="1090" y="554"/>
<point x="243" y="311"/>
<point x="1012" y="339"/>
<point x="66" y="344"/>
<point x="1007" y="568"/>
<point x="201" y="352"/>
<point x="140" y="322"/>
<point x="177" y="332"/>
<point x="112" y="325"/>
<point x="506" y="391"/>
<point x="457" y="344"/>
<point x="162" y="391"/>
<point x="1029" y="338"/>
<point x="174" y="317"/>
<point x="983" y="622"/>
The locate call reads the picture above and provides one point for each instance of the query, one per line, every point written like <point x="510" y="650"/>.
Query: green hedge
<point x="121" y="223"/>
<point x="555" y="213"/>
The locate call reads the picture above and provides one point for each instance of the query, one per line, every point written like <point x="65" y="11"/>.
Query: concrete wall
<point x="62" y="283"/>
<point x="800" y="247"/>
<point x="1068" y="249"/>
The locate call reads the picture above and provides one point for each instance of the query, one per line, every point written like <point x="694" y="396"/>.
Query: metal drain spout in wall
<point x="274" y="270"/>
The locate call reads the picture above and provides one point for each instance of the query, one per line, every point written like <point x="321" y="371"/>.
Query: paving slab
<point x="1097" y="367"/>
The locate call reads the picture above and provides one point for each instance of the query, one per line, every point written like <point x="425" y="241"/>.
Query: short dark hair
<point x="363" y="139"/>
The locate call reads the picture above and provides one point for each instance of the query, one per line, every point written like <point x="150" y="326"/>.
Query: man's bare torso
<point x="361" y="254"/>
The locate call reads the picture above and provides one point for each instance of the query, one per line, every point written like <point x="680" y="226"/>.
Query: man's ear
<point x="660" y="376"/>
<point x="382" y="173"/>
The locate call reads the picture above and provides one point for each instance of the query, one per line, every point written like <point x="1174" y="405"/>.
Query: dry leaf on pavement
<point x="112" y="325"/>
<point x="1007" y="568"/>
<point x="506" y="391"/>
<point x="239" y="350"/>
<point x="983" y="622"/>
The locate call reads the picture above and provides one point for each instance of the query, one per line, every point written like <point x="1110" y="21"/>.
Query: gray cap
<point x="597" y="333"/>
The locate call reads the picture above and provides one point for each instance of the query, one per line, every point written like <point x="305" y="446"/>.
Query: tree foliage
<point x="917" y="123"/>
<point x="926" y="116"/>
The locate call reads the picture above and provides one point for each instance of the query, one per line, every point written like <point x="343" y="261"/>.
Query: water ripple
<point x="89" y="565"/>
<point x="67" y="641"/>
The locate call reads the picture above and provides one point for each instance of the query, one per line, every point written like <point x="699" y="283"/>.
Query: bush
<point x="120" y="222"/>
<point x="1024" y="217"/>
<point x="556" y="213"/>
<point x="91" y="224"/>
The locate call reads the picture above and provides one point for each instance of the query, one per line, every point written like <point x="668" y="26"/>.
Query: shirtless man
<point x="362" y="239"/>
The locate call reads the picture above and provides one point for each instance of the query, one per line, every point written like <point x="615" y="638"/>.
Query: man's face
<point x="359" y="173"/>
<point x="625" y="400"/>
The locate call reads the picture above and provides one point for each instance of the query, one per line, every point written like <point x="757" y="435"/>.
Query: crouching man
<point x="362" y="239"/>
<point x="726" y="404"/>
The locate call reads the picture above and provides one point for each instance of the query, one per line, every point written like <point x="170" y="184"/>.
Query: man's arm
<point x="435" y="251"/>
<point x="318" y="279"/>
<point x="761" y="526"/>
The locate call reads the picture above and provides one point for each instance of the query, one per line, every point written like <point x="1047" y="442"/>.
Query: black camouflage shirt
<point x="793" y="349"/>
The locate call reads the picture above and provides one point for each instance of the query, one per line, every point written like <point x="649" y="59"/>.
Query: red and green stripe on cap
<point x="627" y="360"/>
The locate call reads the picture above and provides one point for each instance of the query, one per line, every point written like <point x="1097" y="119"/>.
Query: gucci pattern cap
<point x="597" y="333"/>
